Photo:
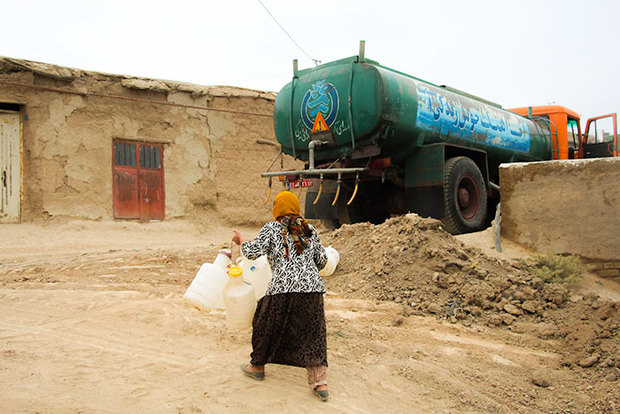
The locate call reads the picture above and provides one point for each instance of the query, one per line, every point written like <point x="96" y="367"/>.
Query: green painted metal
<point x="379" y="106"/>
<point x="424" y="167"/>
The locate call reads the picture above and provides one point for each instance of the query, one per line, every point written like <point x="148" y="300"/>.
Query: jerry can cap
<point x="235" y="271"/>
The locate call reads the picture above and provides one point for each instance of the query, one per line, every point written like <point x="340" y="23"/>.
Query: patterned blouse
<point x="300" y="273"/>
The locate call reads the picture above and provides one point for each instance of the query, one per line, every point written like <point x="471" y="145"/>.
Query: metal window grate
<point x="124" y="154"/>
<point x="127" y="155"/>
<point x="150" y="157"/>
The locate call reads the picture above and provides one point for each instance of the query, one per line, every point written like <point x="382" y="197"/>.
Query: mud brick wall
<point x="70" y="119"/>
<point x="565" y="207"/>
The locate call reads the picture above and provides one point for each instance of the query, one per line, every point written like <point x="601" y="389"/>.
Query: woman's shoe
<point x="323" y="395"/>
<point x="255" y="375"/>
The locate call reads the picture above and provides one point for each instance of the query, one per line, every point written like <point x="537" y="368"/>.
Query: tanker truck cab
<point x="598" y="140"/>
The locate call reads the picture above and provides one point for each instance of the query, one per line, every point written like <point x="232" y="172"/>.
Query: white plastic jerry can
<point x="257" y="273"/>
<point x="223" y="261"/>
<point x="333" y="258"/>
<point x="239" y="299"/>
<point x="206" y="289"/>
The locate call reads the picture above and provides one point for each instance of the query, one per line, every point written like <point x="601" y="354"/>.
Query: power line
<point x="316" y="61"/>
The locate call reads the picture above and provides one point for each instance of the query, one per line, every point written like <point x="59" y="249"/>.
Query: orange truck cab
<point x="599" y="139"/>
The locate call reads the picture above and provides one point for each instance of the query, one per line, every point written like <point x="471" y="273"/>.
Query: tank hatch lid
<point x="469" y="95"/>
<point x="348" y="60"/>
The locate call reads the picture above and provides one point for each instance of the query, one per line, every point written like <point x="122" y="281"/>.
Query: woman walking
<point x="289" y="323"/>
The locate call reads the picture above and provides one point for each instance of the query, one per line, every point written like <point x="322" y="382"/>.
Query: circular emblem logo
<point x="321" y="97"/>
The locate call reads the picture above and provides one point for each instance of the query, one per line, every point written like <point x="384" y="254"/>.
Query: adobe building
<point x="86" y="145"/>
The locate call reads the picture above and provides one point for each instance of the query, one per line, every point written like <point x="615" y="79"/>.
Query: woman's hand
<point x="237" y="237"/>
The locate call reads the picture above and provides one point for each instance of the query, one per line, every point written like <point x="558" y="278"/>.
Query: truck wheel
<point x="464" y="194"/>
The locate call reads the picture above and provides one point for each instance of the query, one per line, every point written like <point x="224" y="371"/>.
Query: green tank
<point x="410" y="136"/>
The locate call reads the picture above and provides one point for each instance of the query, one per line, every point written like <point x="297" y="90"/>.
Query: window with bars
<point x="124" y="154"/>
<point x="150" y="157"/>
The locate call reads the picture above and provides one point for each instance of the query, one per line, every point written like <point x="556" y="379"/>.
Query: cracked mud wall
<point x="212" y="160"/>
<point x="227" y="179"/>
<point x="564" y="207"/>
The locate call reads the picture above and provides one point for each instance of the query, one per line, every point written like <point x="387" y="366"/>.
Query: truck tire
<point x="464" y="193"/>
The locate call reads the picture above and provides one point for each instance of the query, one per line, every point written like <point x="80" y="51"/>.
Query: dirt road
<point x="92" y="320"/>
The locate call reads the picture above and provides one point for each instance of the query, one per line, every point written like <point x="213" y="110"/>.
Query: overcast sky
<point x="515" y="53"/>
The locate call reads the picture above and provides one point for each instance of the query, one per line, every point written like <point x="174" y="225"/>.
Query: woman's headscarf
<point x="285" y="203"/>
<point x="286" y="211"/>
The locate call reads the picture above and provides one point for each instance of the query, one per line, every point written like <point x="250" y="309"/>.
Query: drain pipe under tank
<point x="311" y="145"/>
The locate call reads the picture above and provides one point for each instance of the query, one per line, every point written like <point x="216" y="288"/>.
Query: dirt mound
<point x="412" y="261"/>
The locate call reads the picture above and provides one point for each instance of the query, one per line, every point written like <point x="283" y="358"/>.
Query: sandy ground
<point x="93" y="321"/>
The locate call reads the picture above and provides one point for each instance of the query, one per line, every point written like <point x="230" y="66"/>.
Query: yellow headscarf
<point x="286" y="211"/>
<point x="285" y="203"/>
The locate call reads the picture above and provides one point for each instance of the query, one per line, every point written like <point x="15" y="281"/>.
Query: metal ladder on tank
<point x="555" y="150"/>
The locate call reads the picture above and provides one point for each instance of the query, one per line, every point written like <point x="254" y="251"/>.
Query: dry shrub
<point x="566" y="270"/>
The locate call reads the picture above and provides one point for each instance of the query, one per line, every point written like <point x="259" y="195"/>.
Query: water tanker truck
<point x="377" y="143"/>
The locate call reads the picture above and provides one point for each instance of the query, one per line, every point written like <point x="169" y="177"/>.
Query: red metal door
<point x="151" y="179"/>
<point x="125" y="181"/>
<point x="138" y="181"/>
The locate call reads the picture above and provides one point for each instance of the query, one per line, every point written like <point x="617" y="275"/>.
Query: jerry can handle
<point x="234" y="258"/>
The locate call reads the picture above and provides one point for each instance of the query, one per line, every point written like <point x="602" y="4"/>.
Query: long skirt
<point x="289" y="329"/>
